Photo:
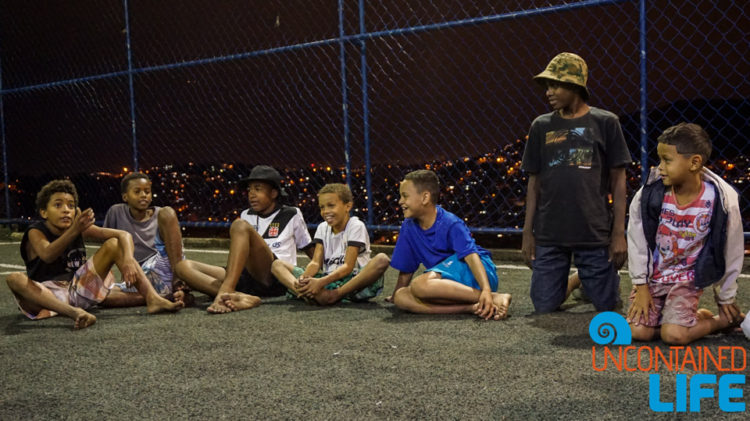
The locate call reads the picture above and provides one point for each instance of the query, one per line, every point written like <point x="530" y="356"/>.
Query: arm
<point x="404" y="278"/>
<point x="528" y="243"/>
<point x="485" y="309"/>
<point x="49" y="252"/>
<point x="316" y="262"/>
<point x="638" y="253"/>
<point x="618" y="248"/>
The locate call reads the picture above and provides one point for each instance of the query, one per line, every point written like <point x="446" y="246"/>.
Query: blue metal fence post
<point x="344" y="96"/>
<point x="130" y="85"/>
<point x="644" y="95"/>
<point x="5" y="149"/>
<point x="365" y="112"/>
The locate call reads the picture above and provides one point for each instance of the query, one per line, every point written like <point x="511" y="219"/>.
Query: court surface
<point x="289" y="360"/>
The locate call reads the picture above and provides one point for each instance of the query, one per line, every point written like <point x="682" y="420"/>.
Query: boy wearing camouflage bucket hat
<point x="575" y="158"/>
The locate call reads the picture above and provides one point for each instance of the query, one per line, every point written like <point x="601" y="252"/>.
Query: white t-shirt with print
<point x="334" y="245"/>
<point x="284" y="241"/>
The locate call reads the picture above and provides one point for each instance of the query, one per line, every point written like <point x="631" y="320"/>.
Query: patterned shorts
<point x="158" y="270"/>
<point x="85" y="290"/>
<point x="370" y="291"/>
<point x="675" y="304"/>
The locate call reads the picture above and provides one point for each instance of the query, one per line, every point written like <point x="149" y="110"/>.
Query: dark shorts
<point x="252" y="286"/>
<point x="551" y="268"/>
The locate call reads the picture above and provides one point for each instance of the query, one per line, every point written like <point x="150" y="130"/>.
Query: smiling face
<point x="334" y="211"/>
<point x="262" y="197"/>
<point x="676" y="168"/>
<point x="412" y="202"/>
<point x="60" y="211"/>
<point x="138" y="195"/>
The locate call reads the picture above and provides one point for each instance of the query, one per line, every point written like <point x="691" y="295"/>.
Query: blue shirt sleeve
<point x="460" y="239"/>
<point x="403" y="258"/>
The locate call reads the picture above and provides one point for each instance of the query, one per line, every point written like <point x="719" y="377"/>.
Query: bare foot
<point x="237" y="301"/>
<point x="574" y="282"/>
<point x="218" y="306"/>
<point x="157" y="304"/>
<point x="327" y="297"/>
<point x="185" y="297"/>
<point x="84" y="320"/>
<point x="502" y="302"/>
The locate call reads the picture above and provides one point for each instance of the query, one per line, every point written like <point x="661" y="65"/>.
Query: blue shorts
<point x="458" y="270"/>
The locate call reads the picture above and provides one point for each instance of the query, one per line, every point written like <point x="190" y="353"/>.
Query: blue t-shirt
<point x="447" y="236"/>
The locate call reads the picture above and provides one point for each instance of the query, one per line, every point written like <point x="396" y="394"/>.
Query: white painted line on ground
<point x="5" y="265"/>
<point x="11" y="243"/>
<point x="8" y="273"/>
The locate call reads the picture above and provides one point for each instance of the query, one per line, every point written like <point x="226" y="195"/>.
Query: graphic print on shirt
<point x="570" y="147"/>
<point x="681" y="235"/>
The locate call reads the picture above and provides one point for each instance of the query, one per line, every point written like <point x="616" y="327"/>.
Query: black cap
<point x="265" y="174"/>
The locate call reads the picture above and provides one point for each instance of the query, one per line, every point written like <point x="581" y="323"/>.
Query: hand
<point x="83" y="220"/>
<point x="528" y="246"/>
<point x="730" y="312"/>
<point x="129" y="270"/>
<point x="312" y="287"/>
<point x="618" y="251"/>
<point x="486" y="308"/>
<point x="641" y="306"/>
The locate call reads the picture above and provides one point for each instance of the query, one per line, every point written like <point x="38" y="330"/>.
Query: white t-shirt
<point x="284" y="231"/>
<point x="334" y="245"/>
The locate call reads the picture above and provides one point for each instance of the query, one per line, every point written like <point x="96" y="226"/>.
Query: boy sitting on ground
<point x="340" y="267"/>
<point x="460" y="276"/>
<point x="59" y="279"/>
<point x="684" y="234"/>
<point x="265" y="232"/>
<point x="158" y="246"/>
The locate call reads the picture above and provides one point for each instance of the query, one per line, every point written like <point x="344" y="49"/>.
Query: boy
<point x="340" y="267"/>
<point x="460" y="276"/>
<point x="575" y="157"/>
<point x="158" y="245"/>
<point x="684" y="234"/>
<point x="265" y="232"/>
<point x="58" y="277"/>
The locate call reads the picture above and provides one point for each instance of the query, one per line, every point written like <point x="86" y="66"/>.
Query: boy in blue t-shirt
<point x="460" y="275"/>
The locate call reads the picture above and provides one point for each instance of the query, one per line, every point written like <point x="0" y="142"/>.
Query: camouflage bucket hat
<point x="566" y="68"/>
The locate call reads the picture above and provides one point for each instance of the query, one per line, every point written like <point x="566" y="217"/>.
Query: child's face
<point x="262" y="197"/>
<point x="334" y="211"/>
<point x="60" y="211"/>
<point x="674" y="167"/>
<point x="412" y="202"/>
<point x="138" y="196"/>
<point x="559" y="96"/>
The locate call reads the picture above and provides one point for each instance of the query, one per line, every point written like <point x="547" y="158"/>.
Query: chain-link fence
<point x="196" y="93"/>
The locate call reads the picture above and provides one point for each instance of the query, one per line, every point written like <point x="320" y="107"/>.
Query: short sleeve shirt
<point x="572" y="159"/>
<point x="447" y="236"/>
<point x="284" y="231"/>
<point x="143" y="232"/>
<point x="61" y="269"/>
<point x="335" y="245"/>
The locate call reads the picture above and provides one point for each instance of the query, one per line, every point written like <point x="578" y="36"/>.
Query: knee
<point x="381" y="261"/>
<point x="111" y="245"/>
<point x="641" y="333"/>
<point x="182" y="267"/>
<point x="419" y="286"/>
<point x="238" y="227"/>
<point x="16" y="280"/>
<point x="166" y="216"/>
<point x="674" y="335"/>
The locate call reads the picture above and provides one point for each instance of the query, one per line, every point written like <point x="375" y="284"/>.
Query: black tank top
<point x="63" y="268"/>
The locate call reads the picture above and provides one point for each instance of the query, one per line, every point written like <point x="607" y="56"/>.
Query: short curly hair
<point x="341" y="190"/>
<point x="132" y="176"/>
<point x="55" y="186"/>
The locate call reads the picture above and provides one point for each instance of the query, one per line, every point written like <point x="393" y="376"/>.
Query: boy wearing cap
<point x="575" y="157"/>
<point x="265" y="232"/>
